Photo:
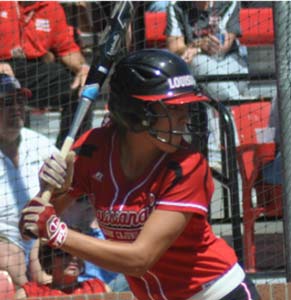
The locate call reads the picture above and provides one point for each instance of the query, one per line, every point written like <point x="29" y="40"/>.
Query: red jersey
<point x="34" y="29"/>
<point x="93" y="286"/>
<point x="180" y="181"/>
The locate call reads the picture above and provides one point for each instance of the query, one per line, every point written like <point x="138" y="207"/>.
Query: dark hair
<point x="46" y="255"/>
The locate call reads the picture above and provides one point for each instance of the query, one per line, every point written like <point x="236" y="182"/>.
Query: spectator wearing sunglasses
<point x="21" y="155"/>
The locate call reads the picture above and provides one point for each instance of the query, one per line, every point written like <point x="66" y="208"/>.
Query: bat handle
<point x="79" y="116"/>
<point x="47" y="193"/>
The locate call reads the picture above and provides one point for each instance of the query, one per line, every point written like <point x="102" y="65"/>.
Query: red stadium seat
<point x="256" y="25"/>
<point x="251" y="156"/>
<point x="155" y="25"/>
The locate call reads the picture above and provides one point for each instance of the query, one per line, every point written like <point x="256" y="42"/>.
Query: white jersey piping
<point x="192" y="205"/>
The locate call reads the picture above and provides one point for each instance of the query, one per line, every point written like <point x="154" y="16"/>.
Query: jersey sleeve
<point x="187" y="186"/>
<point x="63" y="41"/>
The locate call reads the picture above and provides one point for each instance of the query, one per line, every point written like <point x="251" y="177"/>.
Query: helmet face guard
<point x="191" y="133"/>
<point x="149" y="77"/>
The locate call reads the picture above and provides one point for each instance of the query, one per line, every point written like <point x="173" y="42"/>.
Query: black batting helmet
<point x="145" y="77"/>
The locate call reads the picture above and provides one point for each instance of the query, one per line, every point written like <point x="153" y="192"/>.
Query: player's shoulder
<point x="93" y="136"/>
<point x="92" y="140"/>
<point x="188" y="161"/>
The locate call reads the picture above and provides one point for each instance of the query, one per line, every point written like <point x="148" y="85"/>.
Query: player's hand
<point x="80" y="77"/>
<point x="39" y="219"/>
<point x="57" y="172"/>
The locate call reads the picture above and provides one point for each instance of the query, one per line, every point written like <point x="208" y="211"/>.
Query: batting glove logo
<point x="57" y="232"/>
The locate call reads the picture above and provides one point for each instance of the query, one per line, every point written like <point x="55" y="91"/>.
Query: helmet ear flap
<point x="130" y="113"/>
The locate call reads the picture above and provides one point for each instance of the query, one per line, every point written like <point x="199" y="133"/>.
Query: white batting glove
<point x="58" y="173"/>
<point x="39" y="219"/>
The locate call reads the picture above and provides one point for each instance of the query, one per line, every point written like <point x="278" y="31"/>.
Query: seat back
<point x="257" y="26"/>
<point x="248" y="117"/>
<point x="155" y="25"/>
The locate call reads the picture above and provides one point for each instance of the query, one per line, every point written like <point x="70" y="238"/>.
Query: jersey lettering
<point x="126" y="219"/>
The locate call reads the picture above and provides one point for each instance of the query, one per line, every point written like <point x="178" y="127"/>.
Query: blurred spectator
<point x="39" y="45"/>
<point x="205" y="34"/>
<point x="272" y="172"/>
<point x="156" y="6"/>
<point x="74" y="217"/>
<point x="79" y="16"/>
<point x="65" y="270"/>
<point x="85" y="23"/>
<point x="21" y="153"/>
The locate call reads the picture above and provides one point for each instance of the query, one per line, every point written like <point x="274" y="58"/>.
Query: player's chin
<point x="171" y="145"/>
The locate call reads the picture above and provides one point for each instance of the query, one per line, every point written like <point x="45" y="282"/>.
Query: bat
<point x="109" y="48"/>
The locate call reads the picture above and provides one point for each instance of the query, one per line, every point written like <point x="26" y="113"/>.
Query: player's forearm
<point x="74" y="61"/>
<point x="120" y="257"/>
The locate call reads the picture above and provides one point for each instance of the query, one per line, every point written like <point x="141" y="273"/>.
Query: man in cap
<point x="21" y="155"/>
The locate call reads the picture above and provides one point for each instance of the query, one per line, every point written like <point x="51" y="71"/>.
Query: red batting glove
<point x="39" y="219"/>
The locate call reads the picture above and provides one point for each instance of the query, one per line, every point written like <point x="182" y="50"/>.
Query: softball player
<point x="151" y="192"/>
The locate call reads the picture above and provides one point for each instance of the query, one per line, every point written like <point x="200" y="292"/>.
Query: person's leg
<point x="50" y="86"/>
<point x="230" y="64"/>
<point x="12" y="260"/>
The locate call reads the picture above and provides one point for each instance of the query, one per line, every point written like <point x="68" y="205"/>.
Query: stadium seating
<point x="251" y="156"/>
<point x="155" y="25"/>
<point x="256" y="25"/>
<point x="257" y="37"/>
